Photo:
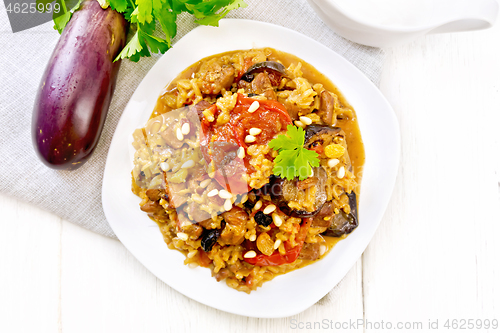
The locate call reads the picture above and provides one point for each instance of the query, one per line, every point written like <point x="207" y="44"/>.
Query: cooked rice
<point x="159" y="167"/>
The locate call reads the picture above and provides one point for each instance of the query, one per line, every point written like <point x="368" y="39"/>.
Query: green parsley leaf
<point x="167" y="22"/>
<point x="294" y="138"/>
<point x="293" y="159"/>
<point x="143" y="13"/>
<point x="213" y="19"/>
<point x="133" y="47"/>
<point x="144" y="16"/>
<point x="119" y="5"/>
<point x="156" y="44"/>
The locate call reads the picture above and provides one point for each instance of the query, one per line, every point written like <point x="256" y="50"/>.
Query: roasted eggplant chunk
<point x="321" y="135"/>
<point x="262" y="79"/>
<point x="274" y="69"/>
<point x="283" y="191"/>
<point x="327" y="107"/>
<point x="343" y="223"/>
<point x="327" y="211"/>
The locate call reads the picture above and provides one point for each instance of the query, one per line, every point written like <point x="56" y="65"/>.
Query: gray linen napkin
<point x="76" y="195"/>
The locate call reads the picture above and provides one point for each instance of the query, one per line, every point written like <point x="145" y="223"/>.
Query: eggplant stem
<point x="63" y="3"/>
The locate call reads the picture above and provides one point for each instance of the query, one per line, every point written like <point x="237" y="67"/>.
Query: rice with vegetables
<point x="250" y="165"/>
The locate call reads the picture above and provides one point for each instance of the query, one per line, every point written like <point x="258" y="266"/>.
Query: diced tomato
<point x="318" y="149"/>
<point x="291" y="253"/>
<point x="204" y="259"/>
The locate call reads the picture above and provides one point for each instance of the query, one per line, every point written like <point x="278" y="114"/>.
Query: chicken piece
<point x="293" y="110"/>
<point x="195" y="213"/>
<point x="215" y="77"/>
<point x="186" y="226"/>
<point x="151" y="207"/>
<point x="310" y="251"/>
<point x="262" y="85"/>
<point x="327" y="108"/>
<point x="234" y="232"/>
<point x="155" y="194"/>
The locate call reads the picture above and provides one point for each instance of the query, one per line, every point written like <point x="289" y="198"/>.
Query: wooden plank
<point x="29" y="268"/>
<point x="104" y="288"/>
<point x="435" y="255"/>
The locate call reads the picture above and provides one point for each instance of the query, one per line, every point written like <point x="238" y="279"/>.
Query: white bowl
<point x="444" y="16"/>
<point x="287" y="294"/>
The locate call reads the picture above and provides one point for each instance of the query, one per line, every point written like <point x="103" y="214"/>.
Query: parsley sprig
<point x="293" y="159"/>
<point x="144" y="16"/>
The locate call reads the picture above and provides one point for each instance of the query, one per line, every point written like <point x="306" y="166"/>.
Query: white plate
<point x="294" y="292"/>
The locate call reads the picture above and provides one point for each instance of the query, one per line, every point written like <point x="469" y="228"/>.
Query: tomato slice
<point x="291" y="253"/>
<point x="219" y="143"/>
<point x="271" y="117"/>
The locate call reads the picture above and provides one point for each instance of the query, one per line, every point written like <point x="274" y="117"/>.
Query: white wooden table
<point x="435" y="256"/>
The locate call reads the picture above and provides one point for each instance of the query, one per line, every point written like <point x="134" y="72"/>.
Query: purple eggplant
<point x="77" y="86"/>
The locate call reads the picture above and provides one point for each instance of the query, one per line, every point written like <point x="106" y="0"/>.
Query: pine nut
<point x="269" y="209"/>
<point x="254" y="131"/>
<point x="205" y="183"/>
<point x="188" y="164"/>
<point x="180" y="136"/>
<point x="225" y="194"/>
<point x="228" y="205"/>
<point x="213" y="193"/>
<point x="241" y="152"/>
<point x="277" y="220"/>
<point x="250" y="254"/>
<point x="244" y="199"/>
<point x="182" y="236"/>
<point x="250" y="139"/>
<point x="306" y="120"/>
<point x="333" y="162"/>
<point x="341" y="173"/>
<point x="253" y="107"/>
<point x="258" y="205"/>
<point x="185" y="129"/>
<point x="298" y="123"/>
<point x="164" y="166"/>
